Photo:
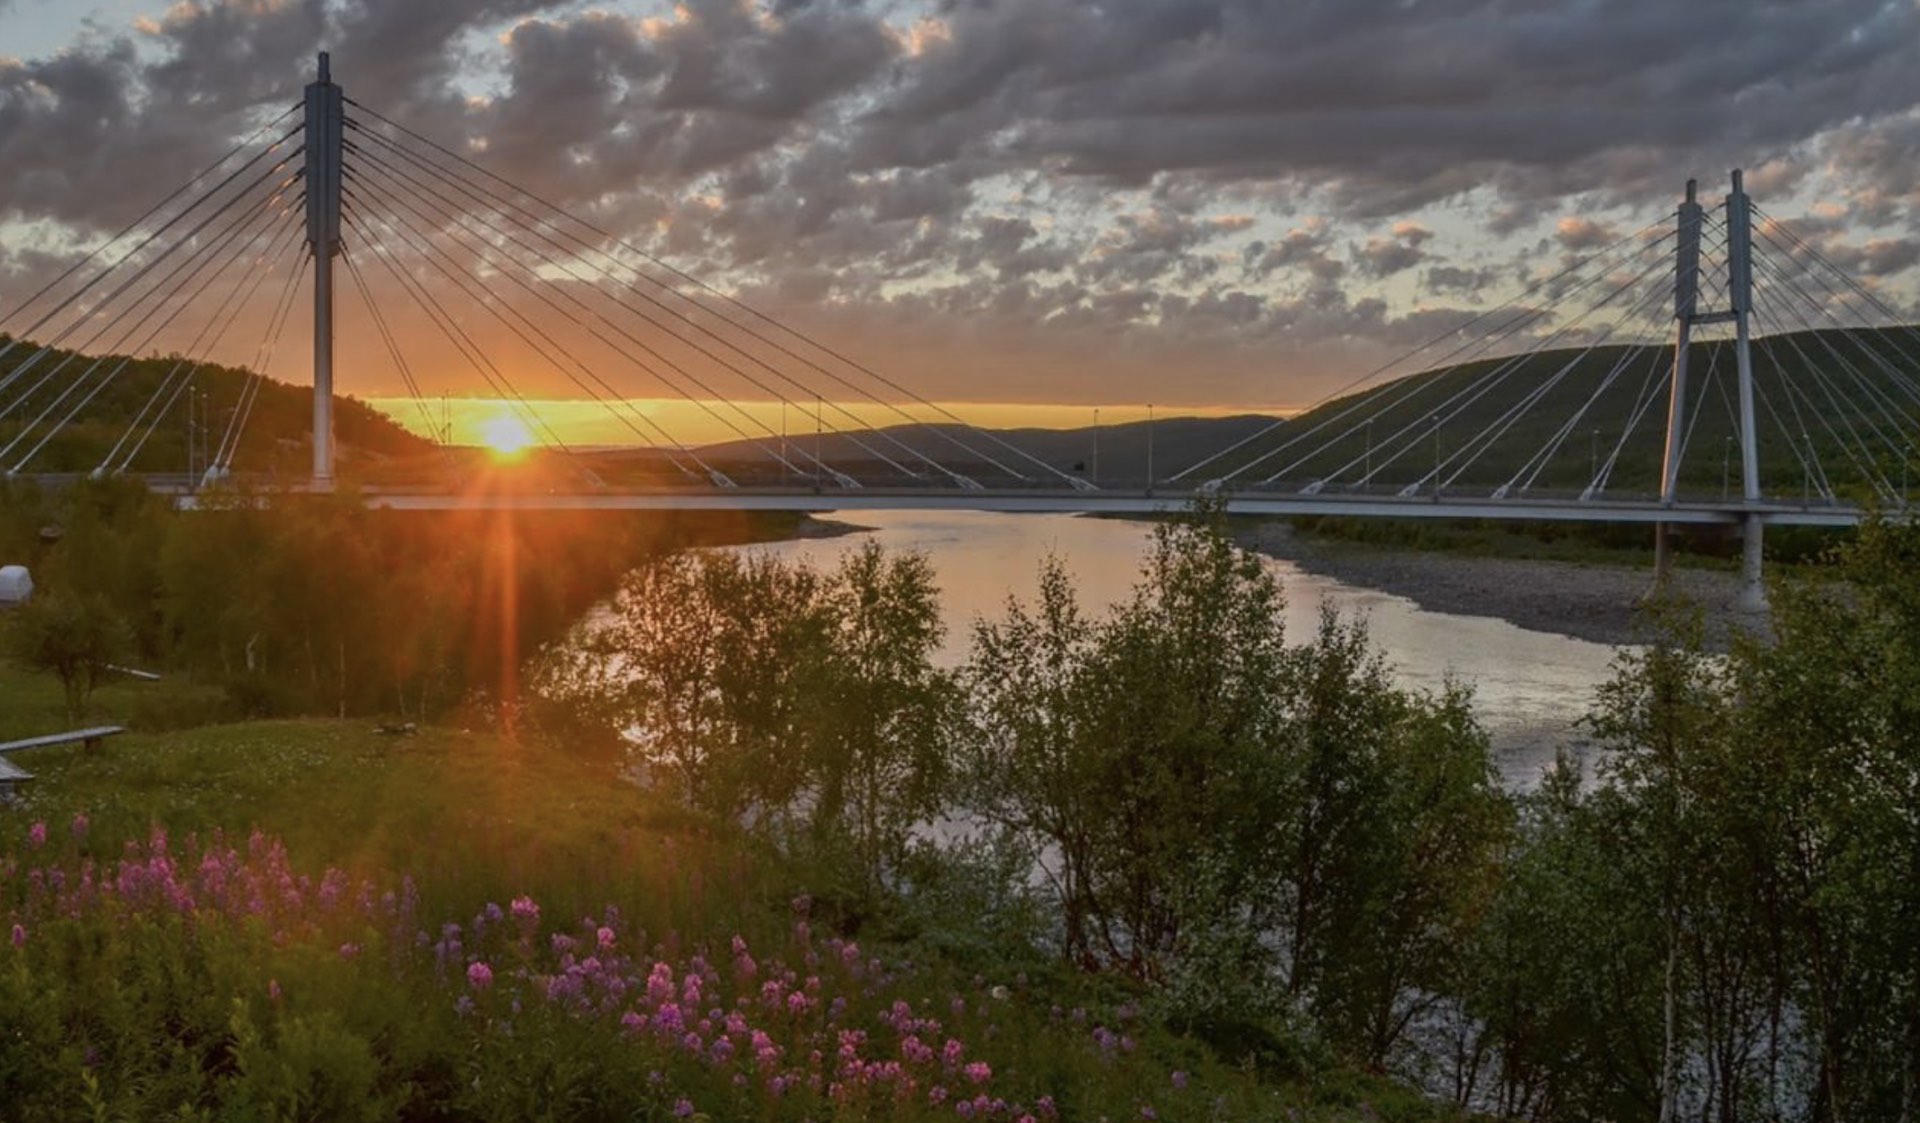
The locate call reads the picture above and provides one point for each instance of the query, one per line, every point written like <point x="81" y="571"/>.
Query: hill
<point x="1112" y="455"/>
<point x="1827" y="390"/>
<point x="277" y="439"/>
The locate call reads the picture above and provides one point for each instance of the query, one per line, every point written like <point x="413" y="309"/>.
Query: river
<point x="1530" y="688"/>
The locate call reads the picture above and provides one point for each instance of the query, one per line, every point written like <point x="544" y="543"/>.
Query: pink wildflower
<point x="979" y="1072"/>
<point x="1179" y="1079"/>
<point x="682" y="1109"/>
<point x="524" y="909"/>
<point x="80" y="827"/>
<point x="37" y="834"/>
<point x="19" y="936"/>
<point x="479" y="975"/>
<point x="605" y="937"/>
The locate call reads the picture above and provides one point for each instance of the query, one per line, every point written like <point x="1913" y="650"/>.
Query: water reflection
<point x="1530" y="687"/>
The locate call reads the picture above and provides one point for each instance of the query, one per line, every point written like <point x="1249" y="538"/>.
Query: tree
<point x="74" y="638"/>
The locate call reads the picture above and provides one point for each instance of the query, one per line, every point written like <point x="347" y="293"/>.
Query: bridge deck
<point x="1564" y="509"/>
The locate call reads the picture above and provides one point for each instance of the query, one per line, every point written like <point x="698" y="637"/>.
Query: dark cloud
<point x="1048" y="174"/>
<point x="1397" y="253"/>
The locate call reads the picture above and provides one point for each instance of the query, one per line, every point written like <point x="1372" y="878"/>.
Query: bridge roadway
<point x="1117" y="502"/>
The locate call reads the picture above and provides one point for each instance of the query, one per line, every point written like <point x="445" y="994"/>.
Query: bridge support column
<point x="324" y="138"/>
<point x="1753" y="585"/>
<point x="1686" y="298"/>
<point x="1753" y="590"/>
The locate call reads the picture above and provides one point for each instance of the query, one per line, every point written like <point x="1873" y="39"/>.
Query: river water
<point x="1530" y="688"/>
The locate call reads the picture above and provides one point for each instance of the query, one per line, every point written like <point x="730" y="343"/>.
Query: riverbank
<point x="1597" y="602"/>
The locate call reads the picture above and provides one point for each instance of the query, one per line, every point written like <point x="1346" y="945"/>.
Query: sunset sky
<point x="1026" y="208"/>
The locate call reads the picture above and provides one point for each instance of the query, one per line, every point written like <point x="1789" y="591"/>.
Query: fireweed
<point x="725" y="1031"/>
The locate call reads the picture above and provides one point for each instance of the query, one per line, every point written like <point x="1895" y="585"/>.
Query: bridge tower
<point x="325" y="127"/>
<point x="1687" y="314"/>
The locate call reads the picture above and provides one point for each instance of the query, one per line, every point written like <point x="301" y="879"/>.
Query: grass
<point x="108" y="1007"/>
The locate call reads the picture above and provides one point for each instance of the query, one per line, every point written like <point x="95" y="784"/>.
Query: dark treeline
<point x="317" y="605"/>
<point x="1288" y="853"/>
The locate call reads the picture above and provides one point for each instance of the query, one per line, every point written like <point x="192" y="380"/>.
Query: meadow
<point x="311" y="920"/>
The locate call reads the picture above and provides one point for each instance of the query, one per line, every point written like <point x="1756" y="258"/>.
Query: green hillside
<point x="277" y="439"/>
<point x="1832" y="391"/>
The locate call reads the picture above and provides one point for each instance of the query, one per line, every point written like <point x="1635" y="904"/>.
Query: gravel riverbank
<point x="1601" y="603"/>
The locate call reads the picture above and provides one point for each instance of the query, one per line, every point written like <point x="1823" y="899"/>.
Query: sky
<point x="1034" y="207"/>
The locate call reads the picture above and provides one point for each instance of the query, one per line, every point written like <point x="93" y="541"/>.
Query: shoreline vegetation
<point x="1217" y="869"/>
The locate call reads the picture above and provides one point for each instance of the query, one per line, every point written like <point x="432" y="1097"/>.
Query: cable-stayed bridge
<point x="1714" y="367"/>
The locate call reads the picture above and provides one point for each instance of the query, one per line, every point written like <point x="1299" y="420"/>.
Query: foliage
<point x="1263" y="827"/>
<point x="754" y="687"/>
<point x="73" y="638"/>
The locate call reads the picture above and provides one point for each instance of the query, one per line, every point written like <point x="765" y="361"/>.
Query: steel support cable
<point x="712" y="475"/>
<point x="1893" y="373"/>
<point x="1445" y="361"/>
<point x="850" y="434"/>
<point x="1397" y="394"/>
<point x="129" y="228"/>
<point x="191" y="289"/>
<point x="1793" y="445"/>
<point x="709" y="408"/>
<point x="1538" y="462"/>
<point x="262" y="355"/>
<point x="209" y="194"/>
<point x="457" y="335"/>
<point x="280" y="313"/>
<point x="1714" y="348"/>
<point x="488" y="300"/>
<point x="1658" y="377"/>
<point x="1626" y="361"/>
<point x="1482" y="385"/>
<point x="392" y="344"/>
<point x="1867" y="474"/>
<point x="1827" y="384"/>
<point x="140" y="274"/>
<point x="1500" y="426"/>
<point x="449" y="210"/>
<point x="1794" y="439"/>
<point x="232" y="304"/>
<point x="939" y="410"/>
<point x="716" y="477"/>
<point x="191" y="266"/>
<point x="1896" y="320"/>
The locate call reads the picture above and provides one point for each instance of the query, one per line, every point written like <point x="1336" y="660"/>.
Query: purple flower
<point x="80" y="827"/>
<point x="479" y="975"/>
<point x="605" y="937"/>
<point x="682" y="1109"/>
<point x="1179" y="1079"/>
<point x="37" y="834"/>
<point x="524" y="909"/>
<point x="19" y="936"/>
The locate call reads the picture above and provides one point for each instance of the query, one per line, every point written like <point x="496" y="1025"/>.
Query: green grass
<point x="472" y="817"/>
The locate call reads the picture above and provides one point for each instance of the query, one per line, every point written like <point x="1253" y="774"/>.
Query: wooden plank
<point x="93" y="734"/>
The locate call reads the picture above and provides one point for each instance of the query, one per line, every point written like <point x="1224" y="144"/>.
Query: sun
<point x="505" y="436"/>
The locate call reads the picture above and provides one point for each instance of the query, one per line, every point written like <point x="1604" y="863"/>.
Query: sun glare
<point x="505" y="436"/>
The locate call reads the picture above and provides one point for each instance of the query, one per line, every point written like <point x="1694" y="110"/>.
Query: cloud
<point x="1048" y="182"/>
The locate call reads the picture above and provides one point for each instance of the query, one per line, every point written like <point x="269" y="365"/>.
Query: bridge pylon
<point x="325" y="130"/>
<point x="1687" y="314"/>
